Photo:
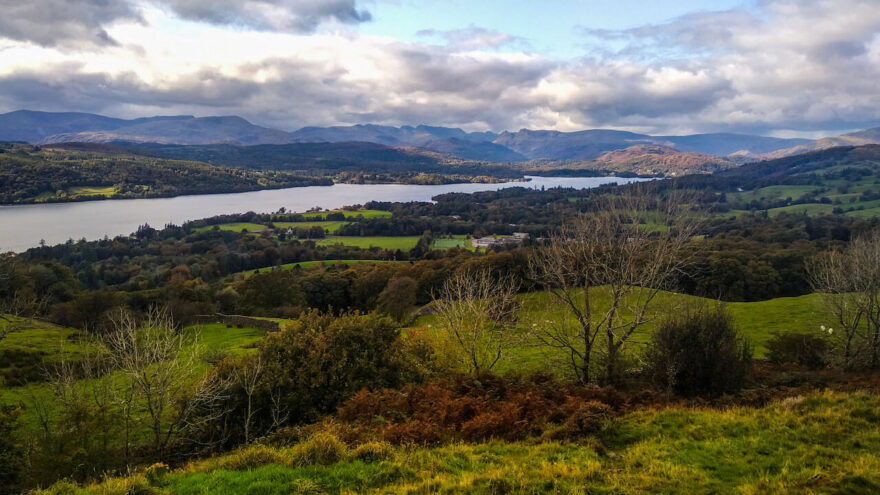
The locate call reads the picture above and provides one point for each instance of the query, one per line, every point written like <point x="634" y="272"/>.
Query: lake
<point x="24" y="226"/>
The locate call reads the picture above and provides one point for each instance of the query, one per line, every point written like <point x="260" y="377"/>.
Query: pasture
<point x="404" y="243"/>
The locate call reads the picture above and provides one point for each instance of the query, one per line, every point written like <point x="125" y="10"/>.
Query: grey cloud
<point x="809" y="68"/>
<point x="81" y="23"/>
<point x="280" y="15"/>
<point x="55" y="22"/>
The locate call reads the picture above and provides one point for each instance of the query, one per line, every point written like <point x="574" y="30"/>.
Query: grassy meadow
<point x="821" y="443"/>
<point x="312" y="264"/>
<point x="53" y="343"/>
<point x="349" y="214"/>
<point x="404" y="243"/>
<point x="234" y="227"/>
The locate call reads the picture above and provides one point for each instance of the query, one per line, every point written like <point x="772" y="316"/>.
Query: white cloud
<point x="794" y="66"/>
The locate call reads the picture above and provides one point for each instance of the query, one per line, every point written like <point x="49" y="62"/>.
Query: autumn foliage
<point x="490" y="407"/>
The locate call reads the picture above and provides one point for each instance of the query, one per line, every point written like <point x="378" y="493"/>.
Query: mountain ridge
<point x="586" y="145"/>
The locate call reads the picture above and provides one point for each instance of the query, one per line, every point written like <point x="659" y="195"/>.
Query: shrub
<point x="373" y="452"/>
<point x="306" y="371"/>
<point x="250" y="458"/>
<point x="462" y="408"/>
<point x="322" y="449"/>
<point x="10" y="453"/>
<point x="700" y="353"/>
<point x="155" y="474"/>
<point x="584" y="418"/>
<point x="798" y="348"/>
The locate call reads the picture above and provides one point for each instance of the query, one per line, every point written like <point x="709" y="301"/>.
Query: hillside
<point x="205" y="130"/>
<point x="798" y="445"/>
<point x="32" y="127"/>
<point x="312" y="158"/>
<point x="587" y="145"/>
<point x="653" y="160"/>
<point x="725" y="144"/>
<point x="387" y="135"/>
<point x="31" y="174"/>
<point x="814" y="162"/>
<point x="582" y="145"/>
<point x="858" y="138"/>
<point x="590" y="144"/>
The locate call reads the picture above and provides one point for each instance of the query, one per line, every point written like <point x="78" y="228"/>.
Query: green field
<point x="458" y="241"/>
<point x="821" y="443"/>
<point x="234" y="227"/>
<point x="392" y="243"/>
<point x="329" y="227"/>
<point x="312" y="264"/>
<point x="92" y="191"/>
<point x="773" y="193"/>
<point x="30" y="344"/>
<point x="78" y="192"/>
<point x="758" y="322"/>
<point x="56" y="342"/>
<point x="367" y="214"/>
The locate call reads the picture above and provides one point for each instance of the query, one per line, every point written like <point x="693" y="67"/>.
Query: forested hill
<point x="827" y="160"/>
<point x="322" y="158"/>
<point x="31" y="174"/>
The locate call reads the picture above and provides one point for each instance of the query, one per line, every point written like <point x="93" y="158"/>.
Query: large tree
<point x="604" y="270"/>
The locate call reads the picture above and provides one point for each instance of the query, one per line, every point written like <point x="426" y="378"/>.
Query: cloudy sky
<point x="776" y="67"/>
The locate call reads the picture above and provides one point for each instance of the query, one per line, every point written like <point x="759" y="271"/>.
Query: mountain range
<point x="697" y="151"/>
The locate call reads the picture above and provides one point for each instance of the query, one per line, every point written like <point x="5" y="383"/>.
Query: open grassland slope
<point x="822" y="443"/>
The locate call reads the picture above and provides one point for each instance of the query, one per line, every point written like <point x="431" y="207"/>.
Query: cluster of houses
<point x="517" y="239"/>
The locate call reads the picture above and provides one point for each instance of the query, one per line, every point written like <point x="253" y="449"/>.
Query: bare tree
<point x="605" y="270"/>
<point x="477" y="313"/>
<point x="249" y="374"/>
<point x="161" y="369"/>
<point x="850" y="284"/>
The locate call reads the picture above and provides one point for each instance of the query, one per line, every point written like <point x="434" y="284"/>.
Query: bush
<point x="584" y="418"/>
<point x="373" y="452"/>
<point x="466" y="409"/>
<point x="798" y="348"/>
<point x="322" y="449"/>
<point x="10" y="453"/>
<point x="700" y="353"/>
<point x="250" y="458"/>
<point x="155" y="474"/>
<point x="305" y="372"/>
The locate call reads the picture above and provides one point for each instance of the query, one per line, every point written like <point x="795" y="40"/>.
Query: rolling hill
<point x="652" y="160"/>
<point x="859" y="138"/>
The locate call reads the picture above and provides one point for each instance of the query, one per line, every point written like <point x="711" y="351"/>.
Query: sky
<point x="775" y="67"/>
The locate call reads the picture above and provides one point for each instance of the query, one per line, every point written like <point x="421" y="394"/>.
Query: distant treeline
<point x="31" y="174"/>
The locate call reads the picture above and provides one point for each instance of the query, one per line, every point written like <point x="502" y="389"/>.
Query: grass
<point x="234" y="227"/>
<point x="458" y="241"/>
<point x="821" y="443"/>
<point x="391" y="243"/>
<point x="367" y="214"/>
<point x="312" y="264"/>
<point x="55" y="342"/>
<point x="329" y="227"/>
<point x="30" y="345"/>
<point x="78" y="192"/>
<point x="92" y="191"/>
<point x="773" y="193"/>
<point x="757" y="321"/>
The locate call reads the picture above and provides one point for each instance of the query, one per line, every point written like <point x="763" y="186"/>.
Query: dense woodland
<point x="31" y="174"/>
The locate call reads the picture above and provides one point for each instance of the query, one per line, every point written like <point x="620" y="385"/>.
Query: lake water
<point x="23" y="226"/>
